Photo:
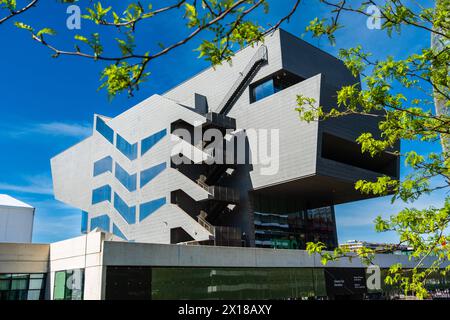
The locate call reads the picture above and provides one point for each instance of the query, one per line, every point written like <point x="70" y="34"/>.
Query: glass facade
<point x="69" y="285"/>
<point x="128" y="213"/>
<point x="102" y="128"/>
<point x="102" y="166"/>
<point x="129" y="150"/>
<point x="127" y="180"/>
<point x="101" y="222"/>
<point x="150" y="173"/>
<point x="22" y="286"/>
<point x="214" y="283"/>
<point x="101" y="194"/>
<point x="148" y="208"/>
<point x="150" y="141"/>
<point x="282" y="222"/>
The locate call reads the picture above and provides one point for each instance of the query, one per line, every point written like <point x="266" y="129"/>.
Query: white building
<point x="16" y="220"/>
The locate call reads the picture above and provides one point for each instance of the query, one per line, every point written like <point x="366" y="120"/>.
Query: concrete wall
<point x="85" y="252"/>
<point x="144" y="254"/>
<point x="16" y="224"/>
<point x="24" y="258"/>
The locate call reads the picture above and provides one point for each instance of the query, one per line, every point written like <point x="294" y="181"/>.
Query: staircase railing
<point x="205" y="224"/>
<point x="233" y="94"/>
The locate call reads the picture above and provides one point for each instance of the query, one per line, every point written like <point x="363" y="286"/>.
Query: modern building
<point x="355" y="245"/>
<point x="16" y="220"/>
<point x="99" y="266"/>
<point x="222" y="158"/>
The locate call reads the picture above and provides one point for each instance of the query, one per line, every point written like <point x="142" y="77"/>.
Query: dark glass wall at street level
<point x="283" y="222"/>
<point x="22" y="286"/>
<point x="208" y="283"/>
<point x="160" y="283"/>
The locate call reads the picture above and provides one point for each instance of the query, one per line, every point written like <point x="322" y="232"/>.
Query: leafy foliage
<point x="228" y="26"/>
<point x="426" y="231"/>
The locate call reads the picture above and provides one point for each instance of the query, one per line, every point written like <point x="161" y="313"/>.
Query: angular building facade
<point x="223" y="159"/>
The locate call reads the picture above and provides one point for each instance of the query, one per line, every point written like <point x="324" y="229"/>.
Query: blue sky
<point x="47" y="105"/>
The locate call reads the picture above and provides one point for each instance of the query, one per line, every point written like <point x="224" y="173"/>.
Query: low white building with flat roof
<point x="16" y="220"/>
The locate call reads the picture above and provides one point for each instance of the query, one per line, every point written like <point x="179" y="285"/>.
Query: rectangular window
<point x="129" y="150"/>
<point x="102" y="166"/>
<point x="128" y="213"/>
<point x="69" y="285"/>
<point x="127" y="180"/>
<point x="84" y="221"/>
<point x="263" y="90"/>
<point x="22" y="286"/>
<point x="101" y="222"/>
<point x="273" y="84"/>
<point x="101" y="194"/>
<point x="104" y="130"/>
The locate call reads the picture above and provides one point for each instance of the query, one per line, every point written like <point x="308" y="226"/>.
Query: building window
<point x="148" y="208"/>
<point x="150" y="141"/>
<point x="151" y="173"/>
<point x="22" y="286"/>
<point x="69" y="285"/>
<point x="128" y="213"/>
<point x="101" y="222"/>
<point x="101" y="194"/>
<point x="129" y="150"/>
<point x="127" y="180"/>
<point x="84" y="221"/>
<point x="117" y="232"/>
<point x="273" y="84"/>
<point x="102" y="166"/>
<point x="104" y="130"/>
<point x="284" y="223"/>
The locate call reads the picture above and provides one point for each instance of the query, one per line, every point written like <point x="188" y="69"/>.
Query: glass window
<point x="101" y="222"/>
<point x="150" y="141"/>
<point x="19" y="283"/>
<point x="282" y="222"/>
<point x="69" y="285"/>
<point x="36" y="284"/>
<point x="5" y="284"/>
<point x="84" y="221"/>
<point x="148" y="208"/>
<point x="277" y="82"/>
<point x="34" y="295"/>
<point x="101" y="194"/>
<point x="263" y="90"/>
<point x="150" y="173"/>
<point x="22" y="286"/>
<point x="102" y="166"/>
<point x="117" y="232"/>
<point x="104" y="130"/>
<point x="127" y="180"/>
<point x="129" y="150"/>
<point x="128" y="213"/>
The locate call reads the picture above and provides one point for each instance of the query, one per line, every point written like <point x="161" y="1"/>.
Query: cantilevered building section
<point x="127" y="178"/>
